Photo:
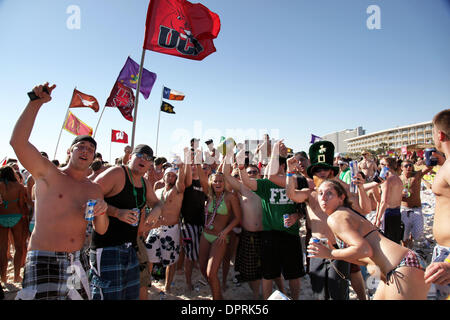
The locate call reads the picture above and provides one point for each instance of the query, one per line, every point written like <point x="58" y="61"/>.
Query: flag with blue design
<point x="170" y="94"/>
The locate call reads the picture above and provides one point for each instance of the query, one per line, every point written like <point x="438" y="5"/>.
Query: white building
<point x="339" y="139"/>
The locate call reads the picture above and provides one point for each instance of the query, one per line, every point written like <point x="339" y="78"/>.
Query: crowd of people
<point x="207" y="209"/>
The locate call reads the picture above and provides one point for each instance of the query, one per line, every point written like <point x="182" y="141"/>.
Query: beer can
<point x="430" y="161"/>
<point x="138" y="215"/>
<point x="353" y="173"/>
<point x="89" y="212"/>
<point x="285" y="216"/>
<point x="315" y="240"/>
<point x="384" y="172"/>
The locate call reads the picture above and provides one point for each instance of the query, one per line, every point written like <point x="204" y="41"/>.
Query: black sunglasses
<point x="252" y="172"/>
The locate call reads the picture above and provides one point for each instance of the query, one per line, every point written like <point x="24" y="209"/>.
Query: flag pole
<point x="110" y="143"/>
<point x="141" y="67"/>
<point x="159" y="118"/>
<point x="62" y="127"/>
<point x="101" y="115"/>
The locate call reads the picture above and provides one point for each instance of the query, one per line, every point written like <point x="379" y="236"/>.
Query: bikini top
<point x="222" y="210"/>
<point x="341" y="244"/>
<point x="6" y="202"/>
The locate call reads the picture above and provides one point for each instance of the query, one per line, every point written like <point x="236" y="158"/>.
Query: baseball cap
<point x="143" y="148"/>
<point x="84" y="138"/>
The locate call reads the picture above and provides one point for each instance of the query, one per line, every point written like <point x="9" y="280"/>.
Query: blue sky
<point x="289" y="68"/>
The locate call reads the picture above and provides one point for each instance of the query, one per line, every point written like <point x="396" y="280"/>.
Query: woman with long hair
<point x="222" y="214"/>
<point x="14" y="217"/>
<point x="401" y="270"/>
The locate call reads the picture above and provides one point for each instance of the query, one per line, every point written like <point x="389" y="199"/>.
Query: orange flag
<point x="82" y="100"/>
<point x="76" y="126"/>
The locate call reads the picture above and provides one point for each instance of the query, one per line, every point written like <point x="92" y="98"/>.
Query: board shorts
<point x="440" y="253"/>
<point x="281" y="253"/>
<point x="248" y="256"/>
<point x="393" y="226"/>
<point x="412" y="219"/>
<point x="190" y="236"/>
<point x="163" y="245"/>
<point x="115" y="273"/>
<point x="54" y="276"/>
<point x="329" y="279"/>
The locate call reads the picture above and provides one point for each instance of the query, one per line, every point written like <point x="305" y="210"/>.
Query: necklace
<point x="209" y="225"/>
<point x="135" y="192"/>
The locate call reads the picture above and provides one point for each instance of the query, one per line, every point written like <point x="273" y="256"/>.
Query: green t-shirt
<point x="346" y="176"/>
<point x="275" y="204"/>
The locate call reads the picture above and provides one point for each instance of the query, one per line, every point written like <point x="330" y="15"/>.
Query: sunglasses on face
<point x="407" y="166"/>
<point x="252" y="172"/>
<point x="144" y="156"/>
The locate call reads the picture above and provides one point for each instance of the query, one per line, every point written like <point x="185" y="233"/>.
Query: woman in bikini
<point x="401" y="270"/>
<point x="14" y="217"/>
<point x="222" y="214"/>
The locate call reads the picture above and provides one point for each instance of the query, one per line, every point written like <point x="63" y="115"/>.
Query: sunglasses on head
<point x="144" y="156"/>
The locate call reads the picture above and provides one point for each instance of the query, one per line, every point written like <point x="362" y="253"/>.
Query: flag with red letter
<point x="76" y="126"/>
<point x="122" y="97"/>
<point x="181" y="28"/>
<point x="82" y="100"/>
<point x="119" y="136"/>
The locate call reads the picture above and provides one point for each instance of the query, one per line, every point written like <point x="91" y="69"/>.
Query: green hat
<point x="321" y="154"/>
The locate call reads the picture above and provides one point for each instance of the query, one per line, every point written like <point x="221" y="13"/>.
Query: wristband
<point x="289" y="174"/>
<point x="101" y="214"/>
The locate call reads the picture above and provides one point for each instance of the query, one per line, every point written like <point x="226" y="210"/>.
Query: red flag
<point x="82" y="100"/>
<point x="76" y="126"/>
<point x="119" y="136"/>
<point x="4" y="161"/>
<point x="181" y="28"/>
<point x="122" y="97"/>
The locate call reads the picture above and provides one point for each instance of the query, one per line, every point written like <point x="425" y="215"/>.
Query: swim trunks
<point x="412" y="219"/>
<point x="163" y="245"/>
<point x="393" y="226"/>
<point x="329" y="279"/>
<point x="190" y="236"/>
<point x="141" y="252"/>
<point x="54" y="276"/>
<point x="440" y="253"/>
<point x="248" y="256"/>
<point x="115" y="273"/>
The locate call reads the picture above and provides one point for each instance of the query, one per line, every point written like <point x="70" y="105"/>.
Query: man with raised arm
<point x="53" y="270"/>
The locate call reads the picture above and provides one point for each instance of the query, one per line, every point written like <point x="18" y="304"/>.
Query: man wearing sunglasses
<point x="114" y="263"/>
<point x="411" y="207"/>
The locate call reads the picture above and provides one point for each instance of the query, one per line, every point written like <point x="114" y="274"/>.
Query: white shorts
<point x="412" y="218"/>
<point x="163" y="245"/>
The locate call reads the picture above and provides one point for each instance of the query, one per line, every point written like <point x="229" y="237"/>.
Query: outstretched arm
<point x="27" y="154"/>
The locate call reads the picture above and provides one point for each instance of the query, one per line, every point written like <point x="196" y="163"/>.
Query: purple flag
<point x="129" y="77"/>
<point x="315" y="138"/>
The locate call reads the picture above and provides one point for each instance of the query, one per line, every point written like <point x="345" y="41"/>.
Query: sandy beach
<point x="241" y="291"/>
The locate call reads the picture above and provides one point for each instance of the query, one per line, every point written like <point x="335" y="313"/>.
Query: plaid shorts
<point x="440" y="253"/>
<point x="248" y="256"/>
<point x="115" y="273"/>
<point x="53" y="276"/>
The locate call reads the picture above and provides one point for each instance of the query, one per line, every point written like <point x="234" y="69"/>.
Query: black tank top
<point x="118" y="231"/>
<point x="193" y="206"/>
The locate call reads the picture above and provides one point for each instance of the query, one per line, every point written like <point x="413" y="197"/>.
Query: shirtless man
<point x="438" y="272"/>
<point x="411" y="208"/>
<point x="163" y="241"/>
<point x="248" y="255"/>
<point x="367" y="166"/>
<point x="391" y="199"/>
<point x="321" y="168"/>
<point x="61" y="197"/>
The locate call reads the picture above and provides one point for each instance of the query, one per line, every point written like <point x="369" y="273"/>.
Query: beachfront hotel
<point x="412" y="136"/>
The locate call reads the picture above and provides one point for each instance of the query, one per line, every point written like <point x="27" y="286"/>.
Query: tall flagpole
<point x="64" y="122"/>
<point x="141" y="67"/>
<point x="159" y="118"/>
<point x="99" y="121"/>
